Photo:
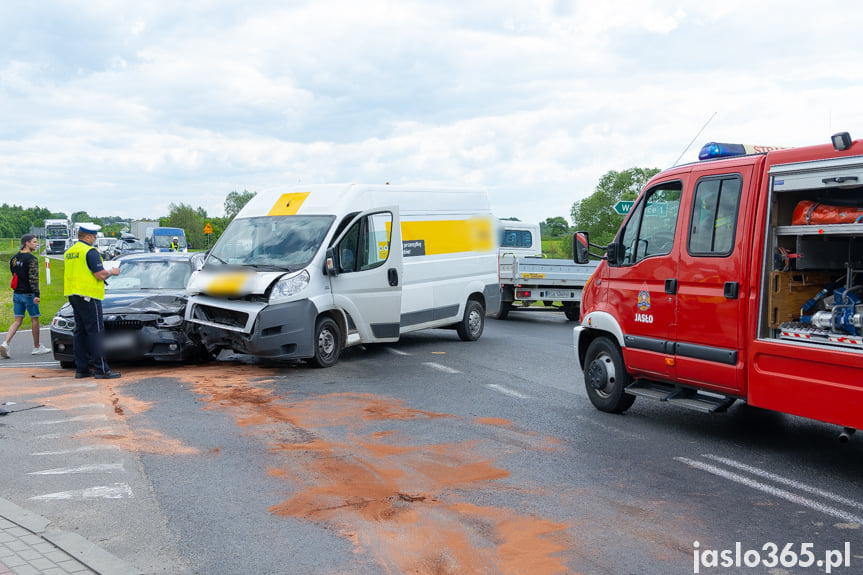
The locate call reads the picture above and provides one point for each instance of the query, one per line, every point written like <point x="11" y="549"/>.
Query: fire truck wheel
<point x="327" y="343"/>
<point x="470" y="327"/>
<point x="605" y="377"/>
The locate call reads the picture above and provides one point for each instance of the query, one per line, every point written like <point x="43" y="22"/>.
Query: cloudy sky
<point x="121" y="108"/>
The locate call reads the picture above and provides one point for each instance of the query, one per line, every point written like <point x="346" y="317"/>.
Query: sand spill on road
<point x="355" y="462"/>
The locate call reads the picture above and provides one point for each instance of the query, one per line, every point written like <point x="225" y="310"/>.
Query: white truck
<point x="57" y="238"/>
<point x="305" y="271"/>
<point x="528" y="281"/>
<point x="138" y="228"/>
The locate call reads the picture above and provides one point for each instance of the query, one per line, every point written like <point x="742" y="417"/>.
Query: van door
<point x="712" y="293"/>
<point x="369" y="274"/>
<point x="642" y="284"/>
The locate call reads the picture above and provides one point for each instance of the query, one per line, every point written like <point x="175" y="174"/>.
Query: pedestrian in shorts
<point x="25" y="299"/>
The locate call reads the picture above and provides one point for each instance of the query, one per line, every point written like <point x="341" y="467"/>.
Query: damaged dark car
<point x="143" y="312"/>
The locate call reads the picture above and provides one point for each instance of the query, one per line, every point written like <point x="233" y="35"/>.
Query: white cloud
<point x="122" y="109"/>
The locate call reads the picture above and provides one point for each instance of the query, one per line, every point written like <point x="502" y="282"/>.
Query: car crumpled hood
<point x="159" y="302"/>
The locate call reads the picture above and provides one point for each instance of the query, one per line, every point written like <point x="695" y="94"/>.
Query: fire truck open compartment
<point x="813" y="264"/>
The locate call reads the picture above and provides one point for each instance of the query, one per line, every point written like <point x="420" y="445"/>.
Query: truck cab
<point x="712" y="292"/>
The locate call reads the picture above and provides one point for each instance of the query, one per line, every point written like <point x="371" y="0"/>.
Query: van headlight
<point x="287" y="287"/>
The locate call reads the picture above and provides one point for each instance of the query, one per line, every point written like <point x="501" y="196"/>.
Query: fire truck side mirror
<point x="611" y="253"/>
<point x="580" y="247"/>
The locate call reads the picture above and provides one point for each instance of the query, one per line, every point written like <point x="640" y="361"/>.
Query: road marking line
<point x="32" y="364"/>
<point x="72" y="434"/>
<point x="94" y="417"/>
<point x="84" y="406"/>
<point x="78" y="450"/>
<point x="91" y="468"/>
<point x="440" y="367"/>
<point x="775" y="491"/>
<point x="116" y="491"/>
<point x="506" y="391"/>
<point x="395" y="351"/>
<point x="785" y="481"/>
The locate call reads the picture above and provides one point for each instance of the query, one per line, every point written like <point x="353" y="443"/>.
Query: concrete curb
<point x="83" y="551"/>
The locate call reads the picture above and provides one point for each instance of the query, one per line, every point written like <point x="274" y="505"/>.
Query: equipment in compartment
<point x="808" y="213"/>
<point x="833" y="315"/>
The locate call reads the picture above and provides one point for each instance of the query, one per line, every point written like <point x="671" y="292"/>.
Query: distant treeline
<point x="15" y="221"/>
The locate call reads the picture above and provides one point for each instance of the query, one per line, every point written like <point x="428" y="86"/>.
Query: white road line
<point x="72" y="433"/>
<point x="775" y="491"/>
<point x="92" y="468"/>
<point x="395" y="351"/>
<point x="115" y="491"/>
<point x="94" y="417"/>
<point x="33" y="364"/>
<point x="786" y="481"/>
<point x="440" y="367"/>
<point x="506" y="391"/>
<point x="78" y="450"/>
<point x="84" y="406"/>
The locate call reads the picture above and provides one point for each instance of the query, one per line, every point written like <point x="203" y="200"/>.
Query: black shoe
<point x="107" y="375"/>
<point x="79" y="374"/>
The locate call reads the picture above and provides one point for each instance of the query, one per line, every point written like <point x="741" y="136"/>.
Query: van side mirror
<point x="331" y="266"/>
<point x="581" y="247"/>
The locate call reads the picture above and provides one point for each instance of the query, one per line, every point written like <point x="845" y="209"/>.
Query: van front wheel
<point x="605" y="376"/>
<point x="471" y="325"/>
<point x="328" y="342"/>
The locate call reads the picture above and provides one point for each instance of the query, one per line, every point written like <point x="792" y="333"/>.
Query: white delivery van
<point x="305" y="271"/>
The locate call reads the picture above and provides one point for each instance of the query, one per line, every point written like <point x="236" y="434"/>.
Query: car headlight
<point x="170" y="321"/>
<point x="290" y="286"/>
<point x="62" y="323"/>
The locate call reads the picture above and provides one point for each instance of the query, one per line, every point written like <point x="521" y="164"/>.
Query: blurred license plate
<point x="555" y="293"/>
<point x="118" y="341"/>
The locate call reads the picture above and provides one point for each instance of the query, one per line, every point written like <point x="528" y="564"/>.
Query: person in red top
<point x="25" y="267"/>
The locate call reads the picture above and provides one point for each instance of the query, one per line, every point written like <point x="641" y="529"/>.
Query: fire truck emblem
<point x="644" y="298"/>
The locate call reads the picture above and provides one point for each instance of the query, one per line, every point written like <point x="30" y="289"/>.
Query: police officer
<point x="175" y="244"/>
<point x="84" y="283"/>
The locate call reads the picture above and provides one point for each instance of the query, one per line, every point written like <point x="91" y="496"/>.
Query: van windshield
<point x="284" y="242"/>
<point x="164" y="240"/>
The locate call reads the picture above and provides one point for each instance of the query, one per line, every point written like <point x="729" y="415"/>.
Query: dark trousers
<point x="88" y="338"/>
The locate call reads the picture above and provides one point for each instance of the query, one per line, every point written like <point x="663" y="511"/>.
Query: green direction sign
<point x="622" y="207"/>
<point x="653" y="208"/>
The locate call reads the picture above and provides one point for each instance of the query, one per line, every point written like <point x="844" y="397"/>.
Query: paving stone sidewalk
<point x="30" y="546"/>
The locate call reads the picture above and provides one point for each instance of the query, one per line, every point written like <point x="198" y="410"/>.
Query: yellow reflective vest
<point x="77" y="277"/>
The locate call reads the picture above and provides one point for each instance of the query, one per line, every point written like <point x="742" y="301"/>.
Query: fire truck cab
<point x="736" y="277"/>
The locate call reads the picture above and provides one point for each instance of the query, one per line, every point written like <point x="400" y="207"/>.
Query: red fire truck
<point x="736" y="277"/>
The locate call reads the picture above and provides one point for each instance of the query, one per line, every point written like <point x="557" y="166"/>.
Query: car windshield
<point x="150" y="274"/>
<point x="284" y="242"/>
<point x="162" y="241"/>
<point x="133" y="245"/>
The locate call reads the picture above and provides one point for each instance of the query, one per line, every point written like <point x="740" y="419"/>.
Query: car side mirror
<point x="581" y="247"/>
<point x="331" y="266"/>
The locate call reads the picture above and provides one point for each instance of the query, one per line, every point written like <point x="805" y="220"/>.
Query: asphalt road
<point x="430" y="455"/>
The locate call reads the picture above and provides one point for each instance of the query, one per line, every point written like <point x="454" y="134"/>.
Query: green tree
<point x="190" y="220"/>
<point x="554" y="227"/>
<point x="235" y="201"/>
<point x="595" y="213"/>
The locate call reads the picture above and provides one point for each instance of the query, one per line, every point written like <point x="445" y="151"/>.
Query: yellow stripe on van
<point x="288" y="204"/>
<point x="451" y="236"/>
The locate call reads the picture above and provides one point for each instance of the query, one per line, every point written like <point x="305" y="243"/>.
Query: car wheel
<point x="605" y="376"/>
<point x="327" y="343"/>
<point x="67" y="364"/>
<point x="471" y="326"/>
